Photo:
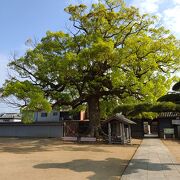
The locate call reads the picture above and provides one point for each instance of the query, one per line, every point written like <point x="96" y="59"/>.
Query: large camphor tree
<point x="110" y="51"/>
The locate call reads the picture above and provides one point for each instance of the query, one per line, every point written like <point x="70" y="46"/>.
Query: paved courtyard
<point x="152" y="161"/>
<point x="50" y="159"/>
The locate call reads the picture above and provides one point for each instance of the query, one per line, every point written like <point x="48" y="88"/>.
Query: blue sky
<point x="24" y="19"/>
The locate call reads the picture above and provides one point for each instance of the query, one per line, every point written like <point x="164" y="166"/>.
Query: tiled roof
<point x="169" y="114"/>
<point x="10" y="116"/>
<point x="120" y="118"/>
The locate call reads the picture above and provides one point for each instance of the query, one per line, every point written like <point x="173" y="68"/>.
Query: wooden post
<point x="129" y="132"/>
<point x="109" y="132"/>
<point x="123" y="134"/>
<point x="119" y="129"/>
<point x="64" y="128"/>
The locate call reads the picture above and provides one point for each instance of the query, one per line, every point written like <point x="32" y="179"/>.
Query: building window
<point x="55" y="113"/>
<point x="43" y="114"/>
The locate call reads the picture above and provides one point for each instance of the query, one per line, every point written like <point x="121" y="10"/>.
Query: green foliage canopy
<point x="146" y="110"/>
<point x="173" y="97"/>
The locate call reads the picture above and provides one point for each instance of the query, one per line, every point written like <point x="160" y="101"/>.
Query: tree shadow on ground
<point x="109" y="168"/>
<point x="106" y="169"/>
<point x="143" y="164"/>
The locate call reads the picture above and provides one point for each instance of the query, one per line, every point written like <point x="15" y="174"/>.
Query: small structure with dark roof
<point x="118" y="128"/>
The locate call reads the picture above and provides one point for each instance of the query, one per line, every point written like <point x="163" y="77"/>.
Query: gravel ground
<point x="51" y="159"/>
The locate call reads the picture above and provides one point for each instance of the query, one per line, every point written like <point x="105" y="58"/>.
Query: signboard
<point x="168" y="131"/>
<point x="176" y="122"/>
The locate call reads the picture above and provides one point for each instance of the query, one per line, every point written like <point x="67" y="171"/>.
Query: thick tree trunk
<point x="94" y="115"/>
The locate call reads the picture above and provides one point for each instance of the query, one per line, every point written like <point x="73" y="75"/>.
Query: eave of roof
<point x="120" y="118"/>
<point x="10" y="116"/>
<point x="169" y="114"/>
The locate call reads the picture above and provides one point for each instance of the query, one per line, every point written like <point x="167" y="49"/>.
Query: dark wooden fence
<point x="18" y="129"/>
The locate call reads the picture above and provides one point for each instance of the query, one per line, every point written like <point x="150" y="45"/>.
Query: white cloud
<point x="167" y="10"/>
<point x="171" y="19"/>
<point x="147" y="6"/>
<point x="177" y="2"/>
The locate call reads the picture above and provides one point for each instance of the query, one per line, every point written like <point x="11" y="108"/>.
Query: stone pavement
<point x="152" y="161"/>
